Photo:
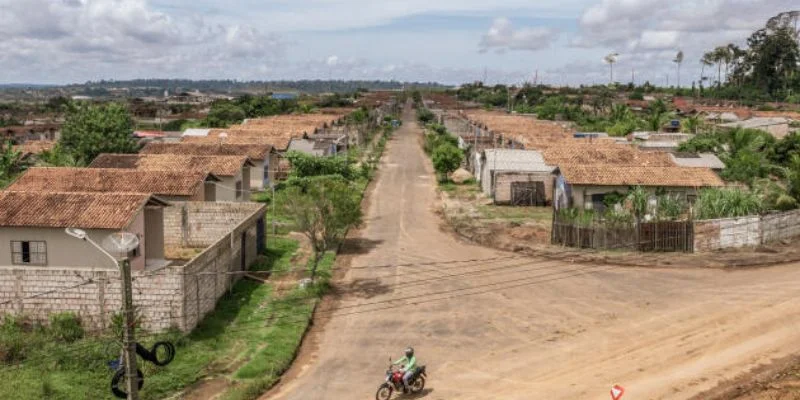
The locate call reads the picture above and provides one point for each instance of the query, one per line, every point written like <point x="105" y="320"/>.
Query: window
<point x="28" y="253"/>
<point x="239" y="189"/>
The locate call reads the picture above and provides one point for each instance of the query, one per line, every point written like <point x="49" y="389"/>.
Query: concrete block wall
<point x="200" y="224"/>
<point x="174" y="296"/>
<point x="156" y="296"/>
<point x="780" y="226"/>
<point x="745" y="231"/>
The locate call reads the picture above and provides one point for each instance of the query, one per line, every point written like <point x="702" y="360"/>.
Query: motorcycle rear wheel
<point x="384" y="392"/>
<point x="418" y="384"/>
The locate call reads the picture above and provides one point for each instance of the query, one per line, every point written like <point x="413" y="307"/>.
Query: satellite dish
<point x="121" y="242"/>
<point x="76" y="233"/>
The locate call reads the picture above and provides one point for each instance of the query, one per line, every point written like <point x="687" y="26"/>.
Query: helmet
<point x="409" y="352"/>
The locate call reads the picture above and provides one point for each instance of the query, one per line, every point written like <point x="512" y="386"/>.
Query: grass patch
<point x="517" y="214"/>
<point x="236" y="332"/>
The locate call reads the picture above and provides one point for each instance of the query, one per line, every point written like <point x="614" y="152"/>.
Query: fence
<point x="678" y="236"/>
<point x="659" y="236"/>
<point x="752" y="230"/>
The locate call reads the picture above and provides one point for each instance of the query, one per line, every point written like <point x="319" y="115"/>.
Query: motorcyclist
<point x="409" y="366"/>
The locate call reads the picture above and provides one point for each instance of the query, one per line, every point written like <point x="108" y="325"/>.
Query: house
<point x="263" y="156"/>
<point x="167" y="185"/>
<point x="700" y="160"/>
<point x="32" y="228"/>
<point x="776" y="126"/>
<point x="320" y="144"/>
<point x="517" y="177"/>
<point x="233" y="171"/>
<point x="585" y="186"/>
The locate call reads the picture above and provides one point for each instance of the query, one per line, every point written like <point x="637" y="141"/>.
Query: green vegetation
<point x="751" y="156"/>
<point x="306" y="165"/>
<point x="767" y="69"/>
<point x="425" y="116"/>
<point x="11" y="163"/>
<point x="323" y="211"/>
<point x="60" y="363"/>
<point x="727" y="203"/>
<point x="93" y="129"/>
<point x="446" y="159"/>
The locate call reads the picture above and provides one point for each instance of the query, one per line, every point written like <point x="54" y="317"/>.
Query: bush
<point x="66" y="327"/>
<point x="446" y="159"/>
<point x="306" y="165"/>
<point x="425" y="116"/>
<point x="727" y="203"/>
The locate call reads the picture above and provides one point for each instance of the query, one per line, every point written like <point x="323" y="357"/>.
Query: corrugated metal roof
<point x="702" y="160"/>
<point x="515" y="160"/>
<point x="196" y="132"/>
<point x="756" y="123"/>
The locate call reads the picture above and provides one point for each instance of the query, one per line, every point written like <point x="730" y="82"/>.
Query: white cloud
<point x="78" y="40"/>
<point x="503" y="36"/>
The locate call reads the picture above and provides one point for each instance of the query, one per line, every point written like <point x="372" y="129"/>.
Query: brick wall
<point x="745" y="231"/>
<point x="174" y="296"/>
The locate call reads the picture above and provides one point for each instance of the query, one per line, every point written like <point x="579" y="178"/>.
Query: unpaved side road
<point x="526" y="328"/>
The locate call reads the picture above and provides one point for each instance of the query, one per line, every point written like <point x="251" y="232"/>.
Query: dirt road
<point x="525" y="328"/>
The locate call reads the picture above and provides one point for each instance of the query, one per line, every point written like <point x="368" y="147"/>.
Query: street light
<point x="122" y="243"/>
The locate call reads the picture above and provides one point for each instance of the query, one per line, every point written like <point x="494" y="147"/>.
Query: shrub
<point x="425" y="116"/>
<point x="446" y="159"/>
<point x="66" y="327"/>
<point x="306" y="165"/>
<point x="727" y="203"/>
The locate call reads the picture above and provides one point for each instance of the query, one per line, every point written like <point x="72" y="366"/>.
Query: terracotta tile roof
<point x="252" y="151"/>
<point x="110" y="180"/>
<point x="613" y="175"/>
<point x="612" y="154"/>
<point x="279" y="143"/>
<point x="217" y="165"/>
<point x="526" y="130"/>
<point x="79" y="210"/>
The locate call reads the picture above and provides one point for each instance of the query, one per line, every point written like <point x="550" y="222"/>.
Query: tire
<point x="384" y="392"/>
<point x="168" y="353"/>
<point x="118" y="383"/>
<point x="418" y="384"/>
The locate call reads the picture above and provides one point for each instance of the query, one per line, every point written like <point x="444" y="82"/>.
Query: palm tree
<point x="678" y="60"/>
<point x="610" y="60"/>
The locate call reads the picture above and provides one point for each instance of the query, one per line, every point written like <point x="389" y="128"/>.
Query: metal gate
<point x="527" y="194"/>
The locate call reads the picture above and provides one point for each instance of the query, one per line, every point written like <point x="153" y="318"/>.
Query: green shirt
<point x="410" y="363"/>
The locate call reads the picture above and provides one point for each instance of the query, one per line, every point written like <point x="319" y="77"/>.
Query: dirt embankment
<point x="777" y="381"/>
<point x="532" y="237"/>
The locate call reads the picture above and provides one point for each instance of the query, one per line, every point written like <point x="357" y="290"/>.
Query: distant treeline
<point x="230" y="86"/>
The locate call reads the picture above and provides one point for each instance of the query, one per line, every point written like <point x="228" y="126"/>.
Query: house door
<point x="527" y="194"/>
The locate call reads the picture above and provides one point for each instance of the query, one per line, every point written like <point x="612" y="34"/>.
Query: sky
<point x="557" y="42"/>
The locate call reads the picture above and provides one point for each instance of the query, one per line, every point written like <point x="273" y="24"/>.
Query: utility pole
<point x="129" y="340"/>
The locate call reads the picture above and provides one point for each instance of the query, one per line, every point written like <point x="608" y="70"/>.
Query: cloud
<point x="79" y="40"/>
<point x="503" y="36"/>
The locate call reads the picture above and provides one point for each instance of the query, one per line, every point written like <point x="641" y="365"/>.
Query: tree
<point x="93" y="129"/>
<point x="679" y="60"/>
<point x="10" y="163"/>
<point x="223" y="114"/>
<point x="323" y="211"/>
<point x="57" y="157"/>
<point x="446" y="159"/>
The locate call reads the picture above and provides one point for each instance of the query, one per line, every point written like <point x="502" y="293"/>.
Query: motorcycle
<point x="394" y="382"/>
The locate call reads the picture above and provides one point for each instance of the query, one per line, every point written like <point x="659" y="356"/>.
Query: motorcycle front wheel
<point x="384" y="392"/>
<point x="418" y="384"/>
